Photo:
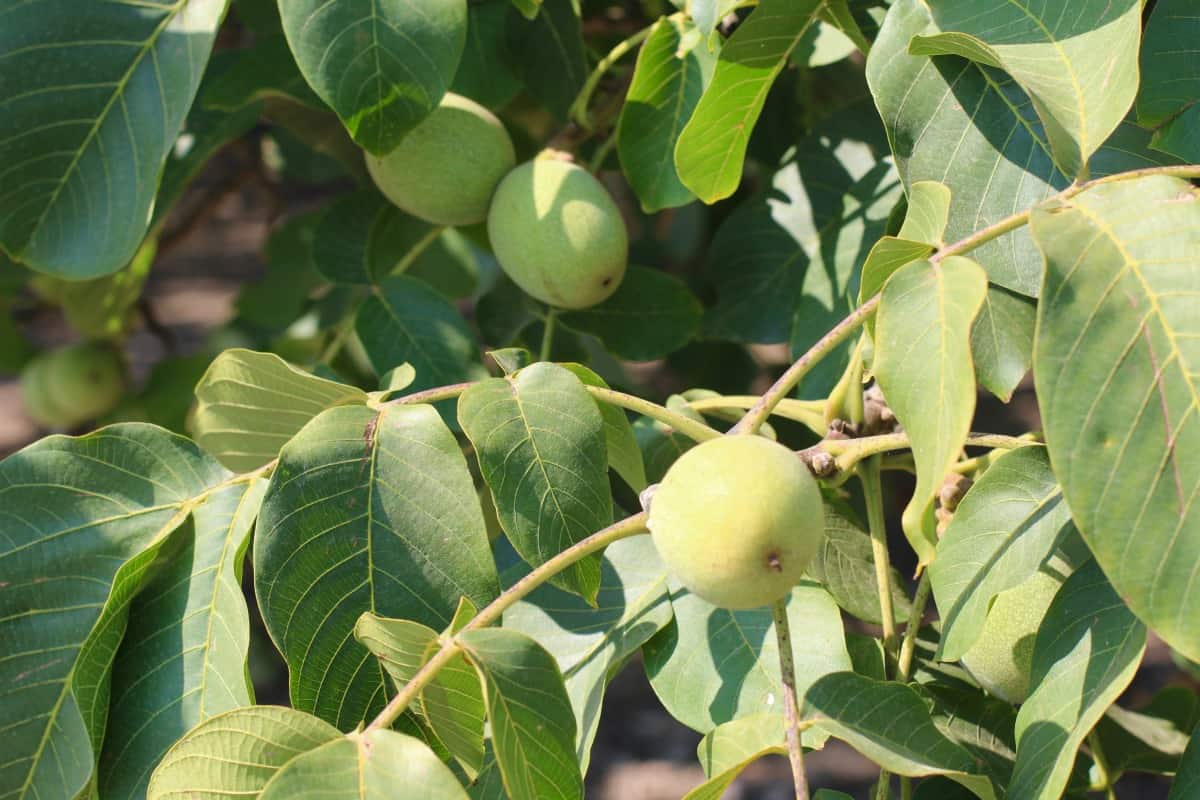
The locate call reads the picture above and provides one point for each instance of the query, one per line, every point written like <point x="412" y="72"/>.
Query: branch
<point x="494" y="610"/>
<point x="685" y="425"/>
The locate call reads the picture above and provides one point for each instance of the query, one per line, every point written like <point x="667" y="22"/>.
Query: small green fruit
<point x="70" y="385"/>
<point x="446" y="168"/>
<point x="1002" y="657"/>
<point x="737" y="520"/>
<point x="558" y="234"/>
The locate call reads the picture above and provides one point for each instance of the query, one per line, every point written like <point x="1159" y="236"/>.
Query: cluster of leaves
<point x="934" y="195"/>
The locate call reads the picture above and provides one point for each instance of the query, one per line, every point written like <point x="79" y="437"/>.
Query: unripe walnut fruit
<point x="445" y="170"/>
<point x="558" y="234"/>
<point x="737" y="521"/>
<point x="70" y="385"/>
<point x="1002" y="657"/>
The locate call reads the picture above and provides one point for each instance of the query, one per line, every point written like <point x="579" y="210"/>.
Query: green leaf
<point x="786" y="263"/>
<point x="1187" y="779"/>
<point x="845" y="566"/>
<point x="980" y="724"/>
<point x="1002" y="341"/>
<point x="90" y="111"/>
<point x="405" y="320"/>
<point x="925" y="220"/>
<point x="368" y="510"/>
<point x="1006" y="527"/>
<point x="712" y="147"/>
<point x="624" y="457"/>
<point x="1170" y="79"/>
<point x="183" y="658"/>
<point x="729" y="748"/>
<point x="590" y="644"/>
<point x="533" y="727"/>
<point x="372" y="765"/>
<point x="972" y="127"/>
<point x="651" y="315"/>
<point x="266" y="70"/>
<point x="484" y="74"/>
<point x="362" y="238"/>
<point x="1153" y="738"/>
<point x="382" y="65"/>
<point x="712" y="665"/>
<point x="1181" y="138"/>
<point x="540" y="441"/>
<point x="923" y="363"/>
<point x="1079" y="69"/>
<point x="452" y="703"/>
<point x="546" y="52"/>
<point x="85" y="519"/>
<point x="888" y="723"/>
<point x="1116" y="372"/>
<point x="1087" y="650"/>
<point x="237" y="752"/>
<point x="250" y="404"/>
<point x="673" y="69"/>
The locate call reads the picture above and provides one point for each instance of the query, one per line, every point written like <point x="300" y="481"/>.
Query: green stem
<point x="868" y="473"/>
<point x="433" y="395"/>
<point x="579" y="107"/>
<point x="909" y="645"/>
<point x="791" y="700"/>
<point x="809" y="413"/>
<point x="629" y="526"/>
<point x="548" y="335"/>
<point x="415" y="251"/>
<point x="851" y="451"/>
<point x="685" y="425"/>
<point x="796" y="372"/>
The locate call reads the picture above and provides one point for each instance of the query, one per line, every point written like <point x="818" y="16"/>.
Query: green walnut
<point x="446" y="168"/>
<point x="70" y="385"/>
<point x="737" y="520"/>
<point x="1002" y="657"/>
<point x="558" y="234"/>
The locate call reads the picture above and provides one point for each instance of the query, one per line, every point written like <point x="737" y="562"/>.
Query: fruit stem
<point x="909" y="645"/>
<point x="685" y="425"/>
<point x="791" y="702"/>
<point x="491" y="613"/>
<point x="548" y="334"/>
<point x="579" y="107"/>
<point x="868" y="473"/>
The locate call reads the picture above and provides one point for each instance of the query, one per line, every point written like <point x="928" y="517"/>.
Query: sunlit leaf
<point x="250" y="404"/>
<point x="712" y="147"/>
<point x="1116" y="366"/>
<point x="88" y="113"/>
<point x="923" y="363"/>
<point x="1088" y="647"/>
<point x="368" y="510"/>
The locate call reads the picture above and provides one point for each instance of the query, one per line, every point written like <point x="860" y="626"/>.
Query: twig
<point x="174" y="237"/>
<point x="868" y="473"/>
<point x="685" y="425"/>
<point x="908" y="646"/>
<point x="578" y="111"/>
